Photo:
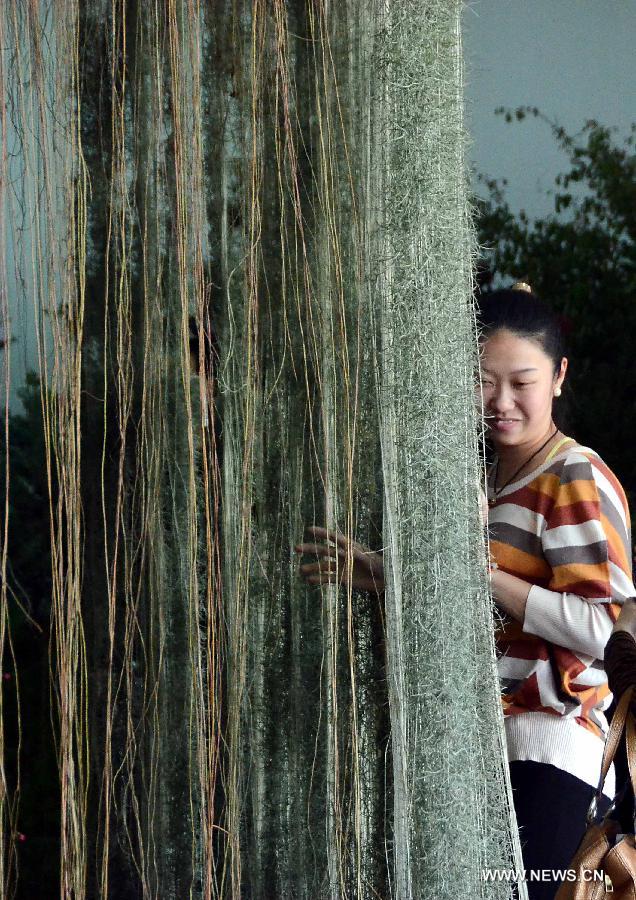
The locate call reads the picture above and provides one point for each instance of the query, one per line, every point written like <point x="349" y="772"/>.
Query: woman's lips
<point x="504" y="425"/>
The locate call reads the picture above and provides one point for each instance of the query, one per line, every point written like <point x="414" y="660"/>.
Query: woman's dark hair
<point x="524" y="315"/>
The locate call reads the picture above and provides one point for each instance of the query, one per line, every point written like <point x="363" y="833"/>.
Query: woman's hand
<point x="340" y="561"/>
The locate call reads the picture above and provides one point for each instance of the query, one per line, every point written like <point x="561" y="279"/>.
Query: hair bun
<point x="521" y="286"/>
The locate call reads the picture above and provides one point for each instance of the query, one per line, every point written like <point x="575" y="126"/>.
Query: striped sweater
<point x="565" y="528"/>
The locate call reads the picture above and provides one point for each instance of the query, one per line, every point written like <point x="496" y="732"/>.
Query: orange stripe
<point x="575" y="492"/>
<point x="564" y="577"/>
<point x="548" y="483"/>
<point x="518" y="562"/>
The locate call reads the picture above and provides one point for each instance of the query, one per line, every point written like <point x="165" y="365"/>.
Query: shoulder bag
<point x="605" y="863"/>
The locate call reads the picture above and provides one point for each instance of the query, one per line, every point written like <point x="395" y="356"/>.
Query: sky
<point x="574" y="59"/>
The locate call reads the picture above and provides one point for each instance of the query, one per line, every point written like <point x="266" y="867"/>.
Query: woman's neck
<point x="511" y="459"/>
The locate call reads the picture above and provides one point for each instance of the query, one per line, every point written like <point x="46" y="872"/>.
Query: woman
<point x="561" y="567"/>
<point x="560" y="541"/>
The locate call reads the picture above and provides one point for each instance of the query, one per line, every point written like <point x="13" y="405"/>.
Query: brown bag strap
<point x="615" y="732"/>
<point x="631" y="750"/>
<point x="620" y="720"/>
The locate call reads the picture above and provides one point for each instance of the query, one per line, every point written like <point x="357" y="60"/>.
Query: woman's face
<point x="518" y="385"/>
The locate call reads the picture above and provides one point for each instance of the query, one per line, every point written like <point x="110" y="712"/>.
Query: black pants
<point x="551" y="806"/>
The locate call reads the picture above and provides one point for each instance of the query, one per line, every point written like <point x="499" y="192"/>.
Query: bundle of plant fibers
<point x="243" y="234"/>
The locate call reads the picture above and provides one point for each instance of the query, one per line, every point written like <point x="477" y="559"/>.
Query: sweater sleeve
<point x="586" y="542"/>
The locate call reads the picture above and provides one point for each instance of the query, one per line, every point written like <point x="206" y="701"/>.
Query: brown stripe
<point x="592" y="554"/>
<point x="516" y="537"/>
<point x="614" y="516"/>
<point x="588" y="588"/>
<point x="575" y="513"/>
<point x="577" y="471"/>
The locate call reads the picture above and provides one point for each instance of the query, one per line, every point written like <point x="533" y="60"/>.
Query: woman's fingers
<point x="319" y="550"/>
<point x="317" y="531"/>
<point x="334" y="537"/>
<point x="317" y="575"/>
<point x="325" y="565"/>
<point x="315" y="548"/>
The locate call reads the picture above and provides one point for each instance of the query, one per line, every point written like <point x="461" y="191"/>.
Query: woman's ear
<point x="560" y="378"/>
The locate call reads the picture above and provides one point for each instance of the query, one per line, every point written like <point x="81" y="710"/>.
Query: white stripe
<point x="592" y="677"/>
<point x="519" y="516"/>
<point x="607" y="488"/>
<point x="622" y="586"/>
<point x="579" y="535"/>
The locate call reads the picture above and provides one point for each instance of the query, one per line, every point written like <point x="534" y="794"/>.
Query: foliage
<point x="25" y="664"/>
<point x="582" y="259"/>
<point x="29" y="576"/>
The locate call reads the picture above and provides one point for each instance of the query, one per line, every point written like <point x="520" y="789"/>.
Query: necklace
<point x="497" y="491"/>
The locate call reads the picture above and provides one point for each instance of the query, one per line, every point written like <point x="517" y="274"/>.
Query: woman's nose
<point x="501" y="399"/>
